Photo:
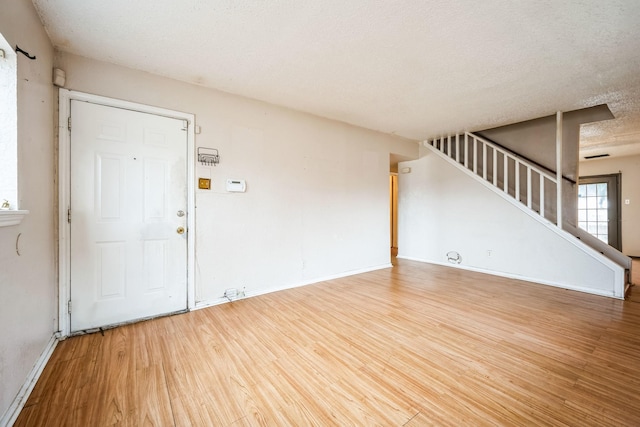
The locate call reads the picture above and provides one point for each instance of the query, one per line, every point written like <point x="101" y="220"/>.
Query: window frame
<point x="12" y="215"/>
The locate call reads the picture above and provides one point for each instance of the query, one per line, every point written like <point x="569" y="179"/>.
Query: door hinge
<point x="69" y="215"/>
<point x="69" y="123"/>
<point x="69" y="306"/>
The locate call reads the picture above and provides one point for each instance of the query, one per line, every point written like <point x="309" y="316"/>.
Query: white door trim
<point x="64" y="193"/>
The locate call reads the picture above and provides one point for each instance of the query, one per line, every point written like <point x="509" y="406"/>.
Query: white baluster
<point x="484" y="160"/>
<point x="475" y="155"/>
<point x="466" y="151"/>
<point x="506" y="173"/>
<point x="495" y="167"/>
<point x="529" y="187"/>
<point x="517" y="173"/>
<point x="542" y="195"/>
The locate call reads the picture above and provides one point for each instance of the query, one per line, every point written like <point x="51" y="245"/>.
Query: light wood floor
<point x="410" y="346"/>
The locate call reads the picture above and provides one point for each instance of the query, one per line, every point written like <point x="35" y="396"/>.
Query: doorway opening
<point x="393" y="213"/>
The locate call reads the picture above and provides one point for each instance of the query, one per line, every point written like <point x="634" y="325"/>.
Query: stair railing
<point x="458" y="149"/>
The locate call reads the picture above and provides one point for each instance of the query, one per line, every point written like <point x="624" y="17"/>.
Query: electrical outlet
<point x="231" y="294"/>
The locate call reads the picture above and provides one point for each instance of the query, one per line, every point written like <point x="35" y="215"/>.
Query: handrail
<point x="527" y="159"/>
<point x="514" y="156"/>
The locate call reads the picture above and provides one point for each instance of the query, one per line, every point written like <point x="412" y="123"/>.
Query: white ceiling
<point x="415" y="68"/>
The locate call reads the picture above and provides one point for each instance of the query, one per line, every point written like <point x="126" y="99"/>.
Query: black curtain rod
<point x="25" y="53"/>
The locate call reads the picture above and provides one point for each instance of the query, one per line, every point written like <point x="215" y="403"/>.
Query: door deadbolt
<point x="180" y="230"/>
<point x="180" y="214"/>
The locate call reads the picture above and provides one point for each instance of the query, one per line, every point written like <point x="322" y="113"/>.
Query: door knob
<point x="180" y="230"/>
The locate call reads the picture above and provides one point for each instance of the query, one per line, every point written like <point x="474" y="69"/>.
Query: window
<point x="9" y="214"/>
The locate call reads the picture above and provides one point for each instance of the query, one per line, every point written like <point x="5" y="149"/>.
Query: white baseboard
<point x="516" y="277"/>
<point x="217" y="301"/>
<point x="13" y="411"/>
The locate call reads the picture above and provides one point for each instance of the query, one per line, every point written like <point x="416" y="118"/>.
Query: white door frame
<point x="64" y="193"/>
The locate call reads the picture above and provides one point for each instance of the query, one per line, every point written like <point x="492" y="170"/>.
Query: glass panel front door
<point x="593" y="215"/>
<point x="598" y="202"/>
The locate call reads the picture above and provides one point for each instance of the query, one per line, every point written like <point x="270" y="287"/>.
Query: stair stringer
<point x="617" y="270"/>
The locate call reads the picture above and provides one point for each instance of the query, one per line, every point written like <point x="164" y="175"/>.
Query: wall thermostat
<point x="236" y="185"/>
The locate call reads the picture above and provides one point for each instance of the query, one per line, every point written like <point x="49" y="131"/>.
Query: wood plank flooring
<point x="415" y="345"/>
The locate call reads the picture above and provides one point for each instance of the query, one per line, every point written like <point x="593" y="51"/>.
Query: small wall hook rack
<point x="208" y="156"/>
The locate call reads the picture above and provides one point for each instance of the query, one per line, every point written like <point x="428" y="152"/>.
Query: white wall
<point x="317" y="200"/>
<point x="28" y="302"/>
<point x="629" y="167"/>
<point x="442" y="209"/>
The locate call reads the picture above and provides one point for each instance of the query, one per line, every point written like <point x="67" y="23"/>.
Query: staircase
<point x="530" y="187"/>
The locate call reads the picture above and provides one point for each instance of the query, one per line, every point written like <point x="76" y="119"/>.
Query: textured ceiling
<point x="415" y="68"/>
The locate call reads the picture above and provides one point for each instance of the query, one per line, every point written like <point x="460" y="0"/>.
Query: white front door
<point x="128" y="215"/>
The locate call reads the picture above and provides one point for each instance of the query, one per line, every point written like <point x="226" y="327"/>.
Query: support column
<point x="559" y="168"/>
